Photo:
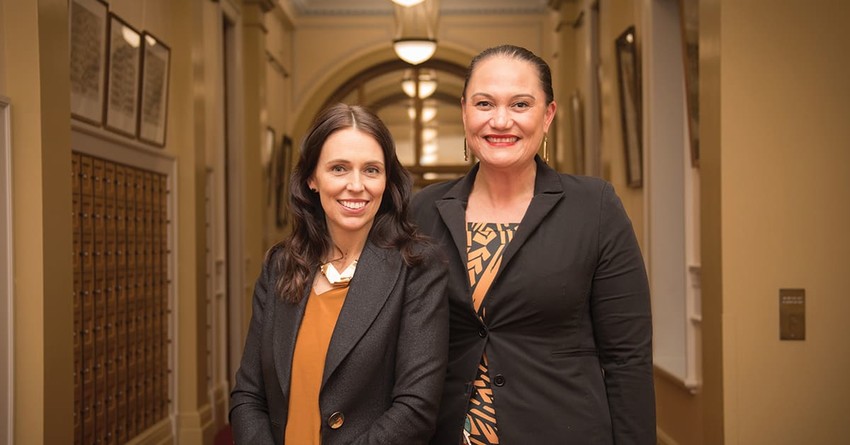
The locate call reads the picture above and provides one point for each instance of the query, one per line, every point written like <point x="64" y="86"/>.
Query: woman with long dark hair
<point x="348" y="336"/>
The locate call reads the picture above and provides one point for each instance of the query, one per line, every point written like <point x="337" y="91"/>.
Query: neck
<point x="504" y="186"/>
<point x="346" y="248"/>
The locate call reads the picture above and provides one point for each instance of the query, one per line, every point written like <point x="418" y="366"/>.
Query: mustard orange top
<point x="304" y="424"/>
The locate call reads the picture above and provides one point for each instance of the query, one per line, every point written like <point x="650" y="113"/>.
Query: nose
<point x="500" y="118"/>
<point x="355" y="184"/>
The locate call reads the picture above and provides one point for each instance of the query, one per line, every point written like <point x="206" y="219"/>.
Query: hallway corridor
<point x="146" y="149"/>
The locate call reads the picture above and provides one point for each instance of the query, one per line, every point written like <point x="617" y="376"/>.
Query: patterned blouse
<point x="485" y="244"/>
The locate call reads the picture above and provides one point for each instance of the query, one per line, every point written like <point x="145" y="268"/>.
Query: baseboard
<point x="196" y="427"/>
<point x="664" y="438"/>
<point x="159" y="434"/>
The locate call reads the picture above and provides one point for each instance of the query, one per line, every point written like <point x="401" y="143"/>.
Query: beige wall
<point x="774" y="205"/>
<point x="615" y="17"/>
<point x="36" y="82"/>
<point x="35" y="78"/>
<point x="279" y="93"/>
<point x="178" y="24"/>
<point x="711" y="396"/>
<point x="565" y="83"/>
<point x="255" y="120"/>
<point x="571" y="71"/>
<point x="785" y="211"/>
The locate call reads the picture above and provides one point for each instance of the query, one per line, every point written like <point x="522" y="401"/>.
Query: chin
<point x="505" y="161"/>
<point x="351" y="226"/>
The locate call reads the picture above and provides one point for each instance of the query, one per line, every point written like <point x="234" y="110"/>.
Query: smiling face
<point x="350" y="178"/>
<point x="505" y="114"/>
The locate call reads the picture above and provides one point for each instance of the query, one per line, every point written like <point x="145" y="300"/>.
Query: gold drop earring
<point x="465" y="152"/>
<point x="545" y="148"/>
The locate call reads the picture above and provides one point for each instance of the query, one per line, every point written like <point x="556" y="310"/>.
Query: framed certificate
<point x="122" y="86"/>
<point x="87" y="28"/>
<point x="153" y="111"/>
<point x="630" y="114"/>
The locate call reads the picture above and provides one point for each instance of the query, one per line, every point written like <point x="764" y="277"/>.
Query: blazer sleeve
<point x="249" y="413"/>
<point x="622" y="325"/>
<point x="421" y="358"/>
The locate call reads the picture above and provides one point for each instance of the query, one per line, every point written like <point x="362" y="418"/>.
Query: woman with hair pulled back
<point x="550" y="328"/>
<point x="348" y="337"/>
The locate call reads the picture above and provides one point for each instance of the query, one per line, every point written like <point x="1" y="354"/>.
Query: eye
<point x="483" y="104"/>
<point x="372" y="170"/>
<point x="338" y="168"/>
<point x="522" y="105"/>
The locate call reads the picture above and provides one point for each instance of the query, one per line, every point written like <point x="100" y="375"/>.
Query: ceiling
<point x="447" y="7"/>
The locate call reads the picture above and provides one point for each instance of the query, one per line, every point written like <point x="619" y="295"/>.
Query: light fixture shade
<point x="407" y="3"/>
<point x="429" y="112"/>
<point x="427" y="85"/>
<point x="415" y="51"/>
<point x="409" y="87"/>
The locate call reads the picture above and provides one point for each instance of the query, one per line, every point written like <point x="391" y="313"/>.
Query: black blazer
<point x="385" y="364"/>
<point x="568" y="335"/>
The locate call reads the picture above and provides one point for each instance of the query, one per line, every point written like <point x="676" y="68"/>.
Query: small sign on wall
<point x="792" y="314"/>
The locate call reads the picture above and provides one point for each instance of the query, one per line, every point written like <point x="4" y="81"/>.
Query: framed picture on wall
<point x="153" y="111"/>
<point x="87" y="28"/>
<point x="122" y="84"/>
<point x="689" y="10"/>
<point x="630" y="105"/>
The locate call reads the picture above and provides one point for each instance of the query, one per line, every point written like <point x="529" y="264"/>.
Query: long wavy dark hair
<point x="299" y="255"/>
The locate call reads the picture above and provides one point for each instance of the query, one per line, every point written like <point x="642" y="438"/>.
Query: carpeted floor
<point x="224" y="437"/>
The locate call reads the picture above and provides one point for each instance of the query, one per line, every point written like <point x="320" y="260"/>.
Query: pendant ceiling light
<point x="407" y="3"/>
<point x="416" y="25"/>
<point x="429" y="112"/>
<point x="414" y="51"/>
<point x="427" y="83"/>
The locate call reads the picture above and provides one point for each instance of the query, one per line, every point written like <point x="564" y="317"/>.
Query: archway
<point x="427" y="127"/>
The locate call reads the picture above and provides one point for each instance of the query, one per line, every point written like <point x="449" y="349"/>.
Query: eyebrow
<point x="346" y="161"/>
<point x="515" y="96"/>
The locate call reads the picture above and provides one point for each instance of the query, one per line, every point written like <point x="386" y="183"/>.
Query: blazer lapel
<point x="287" y="321"/>
<point x="452" y="208"/>
<point x="548" y="190"/>
<point x="373" y="281"/>
<point x="453" y="213"/>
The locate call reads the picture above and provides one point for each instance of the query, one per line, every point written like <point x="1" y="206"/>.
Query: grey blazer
<point x="568" y="333"/>
<point x="385" y="365"/>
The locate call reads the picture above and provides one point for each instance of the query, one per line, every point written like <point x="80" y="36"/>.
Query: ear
<point x="311" y="183"/>
<point x="463" y="110"/>
<point x="550" y="115"/>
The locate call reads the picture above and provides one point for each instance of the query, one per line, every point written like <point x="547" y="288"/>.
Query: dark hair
<point x="516" y="52"/>
<point x="299" y="255"/>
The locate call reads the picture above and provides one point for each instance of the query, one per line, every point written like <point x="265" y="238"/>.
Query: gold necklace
<point x="334" y="277"/>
